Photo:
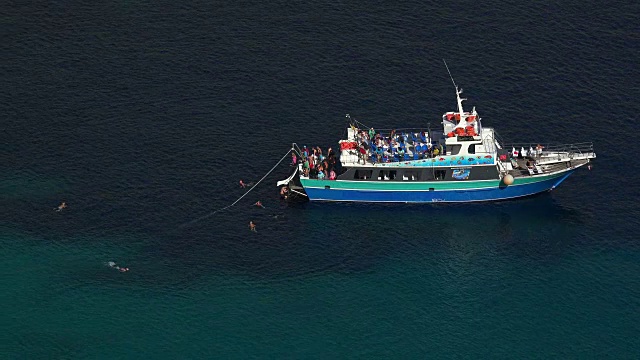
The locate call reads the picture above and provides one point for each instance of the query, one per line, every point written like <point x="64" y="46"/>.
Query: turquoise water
<point x="130" y="113"/>
<point x="519" y="288"/>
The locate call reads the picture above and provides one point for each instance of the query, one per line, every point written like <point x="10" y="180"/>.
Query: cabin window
<point x="363" y="174"/>
<point x="455" y="149"/>
<point x="410" y="175"/>
<point x="472" y="149"/>
<point x="388" y="175"/>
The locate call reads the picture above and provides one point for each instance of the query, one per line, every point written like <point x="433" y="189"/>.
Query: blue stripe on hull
<point x="504" y="192"/>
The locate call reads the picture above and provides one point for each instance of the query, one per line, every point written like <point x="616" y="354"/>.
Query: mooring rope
<point x="240" y="198"/>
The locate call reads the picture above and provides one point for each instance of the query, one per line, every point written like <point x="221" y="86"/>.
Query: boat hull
<point x="428" y="192"/>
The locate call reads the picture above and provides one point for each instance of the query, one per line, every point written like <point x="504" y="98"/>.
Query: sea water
<point x="143" y="116"/>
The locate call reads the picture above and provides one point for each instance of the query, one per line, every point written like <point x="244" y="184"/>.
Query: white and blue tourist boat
<point x="462" y="162"/>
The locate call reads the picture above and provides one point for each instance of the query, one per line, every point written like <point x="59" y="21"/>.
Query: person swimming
<point x="113" y="265"/>
<point x="61" y="206"/>
<point x="244" y="185"/>
<point x="259" y="204"/>
<point x="252" y="226"/>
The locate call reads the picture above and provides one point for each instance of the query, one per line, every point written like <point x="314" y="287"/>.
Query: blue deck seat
<point x="406" y="157"/>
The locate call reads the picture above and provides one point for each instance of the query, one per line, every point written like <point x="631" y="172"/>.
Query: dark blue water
<point x="143" y="116"/>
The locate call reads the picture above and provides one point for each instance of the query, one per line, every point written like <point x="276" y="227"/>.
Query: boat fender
<point x="507" y="179"/>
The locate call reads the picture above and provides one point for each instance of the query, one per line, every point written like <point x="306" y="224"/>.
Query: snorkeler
<point x="243" y="185"/>
<point x="61" y="206"/>
<point x="113" y="265"/>
<point x="252" y="226"/>
<point x="259" y="204"/>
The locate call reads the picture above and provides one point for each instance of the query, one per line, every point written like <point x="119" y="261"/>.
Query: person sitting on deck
<point x="379" y="152"/>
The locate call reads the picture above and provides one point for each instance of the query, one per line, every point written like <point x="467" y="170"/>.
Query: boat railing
<point x="554" y="152"/>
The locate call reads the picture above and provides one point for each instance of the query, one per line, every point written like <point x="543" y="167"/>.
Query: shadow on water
<point x="306" y="239"/>
<point x="315" y="238"/>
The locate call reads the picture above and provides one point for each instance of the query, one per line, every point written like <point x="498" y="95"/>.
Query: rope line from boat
<point x="243" y="195"/>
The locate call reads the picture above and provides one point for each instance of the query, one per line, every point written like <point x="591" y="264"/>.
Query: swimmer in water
<point x="242" y="184"/>
<point x="61" y="206"/>
<point x="252" y="226"/>
<point x="113" y="265"/>
<point x="259" y="204"/>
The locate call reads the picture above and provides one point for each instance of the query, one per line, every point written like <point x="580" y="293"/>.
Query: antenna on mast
<point x="454" y="83"/>
<point x="458" y="92"/>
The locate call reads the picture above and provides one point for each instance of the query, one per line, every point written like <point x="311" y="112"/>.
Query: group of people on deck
<point x="522" y="153"/>
<point x="395" y="147"/>
<point x="315" y="165"/>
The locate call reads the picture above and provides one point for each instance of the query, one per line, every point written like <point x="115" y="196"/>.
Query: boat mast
<point x="458" y="92"/>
